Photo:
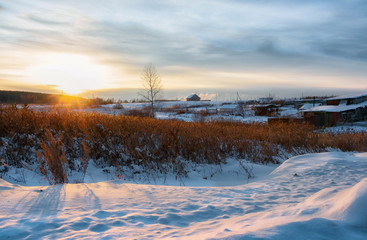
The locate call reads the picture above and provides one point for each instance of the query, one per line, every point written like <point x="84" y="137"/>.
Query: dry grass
<point x="52" y="159"/>
<point x="153" y="144"/>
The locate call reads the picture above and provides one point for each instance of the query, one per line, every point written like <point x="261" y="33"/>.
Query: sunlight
<point x="69" y="73"/>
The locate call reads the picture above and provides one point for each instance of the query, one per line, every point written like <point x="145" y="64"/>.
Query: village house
<point x="266" y="99"/>
<point x="193" y="97"/>
<point x="342" y="109"/>
<point x="266" y="110"/>
<point x="227" y="109"/>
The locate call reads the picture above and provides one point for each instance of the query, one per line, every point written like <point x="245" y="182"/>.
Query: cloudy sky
<point x="255" y="47"/>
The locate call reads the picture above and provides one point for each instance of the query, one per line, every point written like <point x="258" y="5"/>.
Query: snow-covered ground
<point x="189" y="117"/>
<point x="170" y="111"/>
<point x="314" y="196"/>
<point x="230" y="174"/>
<point x="351" y="127"/>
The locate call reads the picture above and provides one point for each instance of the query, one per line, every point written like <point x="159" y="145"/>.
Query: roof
<point x="192" y="95"/>
<point x="338" y="108"/>
<point x="266" y="106"/>
<point x="307" y="106"/>
<point x="266" y="98"/>
<point x="232" y="106"/>
<point x="348" y="96"/>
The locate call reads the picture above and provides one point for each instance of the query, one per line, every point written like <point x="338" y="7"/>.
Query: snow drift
<point x="350" y="205"/>
<point x="314" y="196"/>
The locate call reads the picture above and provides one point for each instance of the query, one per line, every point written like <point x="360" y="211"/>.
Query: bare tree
<point x="152" y="86"/>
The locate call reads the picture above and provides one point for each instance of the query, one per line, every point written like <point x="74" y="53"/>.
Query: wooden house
<point x="226" y="110"/>
<point x="193" y="97"/>
<point x="266" y="99"/>
<point x="347" y="108"/>
<point x="266" y="110"/>
<point x="347" y="99"/>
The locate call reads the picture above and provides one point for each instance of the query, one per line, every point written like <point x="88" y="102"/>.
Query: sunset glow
<point x="251" y="47"/>
<point x="69" y="73"/>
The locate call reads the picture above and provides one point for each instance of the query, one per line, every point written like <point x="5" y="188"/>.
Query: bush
<point x="63" y="139"/>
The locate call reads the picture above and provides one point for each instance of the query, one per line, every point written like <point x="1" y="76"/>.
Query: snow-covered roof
<point x="338" y="108"/>
<point x="348" y="96"/>
<point x="226" y="109"/>
<point x="266" y="98"/>
<point x="229" y="106"/>
<point x="307" y="106"/>
<point x="266" y="105"/>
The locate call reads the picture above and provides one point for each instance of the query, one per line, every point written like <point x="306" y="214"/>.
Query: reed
<point x="157" y="145"/>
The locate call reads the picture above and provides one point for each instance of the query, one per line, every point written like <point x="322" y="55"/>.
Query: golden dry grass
<point x="157" y="144"/>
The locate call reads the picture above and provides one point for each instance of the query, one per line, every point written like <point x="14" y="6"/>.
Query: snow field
<point x="286" y="111"/>
<point x="314" y="196"/>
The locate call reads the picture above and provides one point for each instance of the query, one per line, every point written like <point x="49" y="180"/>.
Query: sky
<point x="214" y="48"/>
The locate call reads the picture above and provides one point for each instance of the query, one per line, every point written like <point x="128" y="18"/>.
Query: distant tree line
<point x="19" y="97"/>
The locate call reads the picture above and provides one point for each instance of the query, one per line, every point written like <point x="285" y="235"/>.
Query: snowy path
<point x="307" y="197"/>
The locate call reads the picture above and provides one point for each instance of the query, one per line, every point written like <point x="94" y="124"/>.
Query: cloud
<point x="202" y="44"/>
<point x="207" y="96"/>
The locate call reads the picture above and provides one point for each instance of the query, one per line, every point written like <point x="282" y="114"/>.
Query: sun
<point x="69" y="73"/>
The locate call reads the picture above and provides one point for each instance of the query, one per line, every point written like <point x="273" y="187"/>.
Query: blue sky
<point x="254" y="47"/>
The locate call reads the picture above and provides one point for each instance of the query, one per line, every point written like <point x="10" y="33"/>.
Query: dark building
<point x="347" y="99"/>
<point x="266" y="110"/>
<point x="347" y="108"/>
<point x="193" y="97"/>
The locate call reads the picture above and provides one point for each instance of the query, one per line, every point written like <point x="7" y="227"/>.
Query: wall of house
<point x="333" y="102"/>
<point x="322" y="119"/>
